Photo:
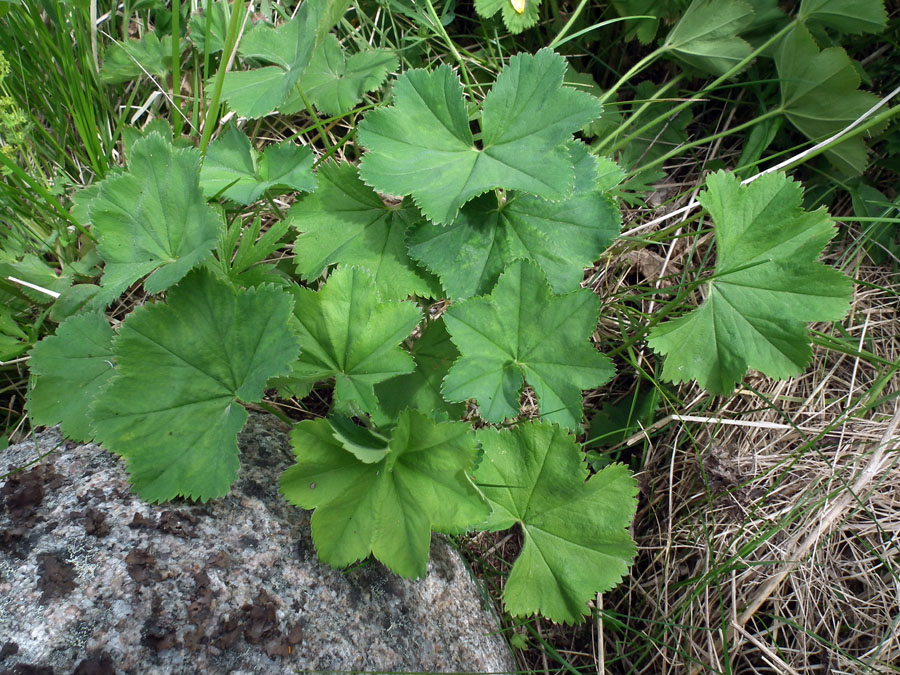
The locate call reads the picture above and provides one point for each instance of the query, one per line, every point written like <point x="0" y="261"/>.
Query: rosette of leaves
<point x="766" y="286"/>
<point x="422" y="145"/>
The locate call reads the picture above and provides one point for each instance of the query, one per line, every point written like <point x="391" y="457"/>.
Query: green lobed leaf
<point x="215" y="15"/>
<point x="69" y="369"/>
<point x="575" y="529"/>
<point x="521" y="331"/>
<point x="255" y="93"/>
<point x="153" y="219"/>
<point x="129" y="60"/>
<point x="706" y="36"/>
<point x="517" y="14"/>
<point x="334" y="83"/>
<point x="434" y="353"/>
<point x="387" y="508"/>
<point x="173" y="409"/>
<point x="562" y="237"/>
<point x="766" y="286"/>
<point x="233" y="169"/>
<point x="345" y="221"/>
<point x="422" y="145"/>
<point x="847" y="16"/>
<point x="348" y="333"/>
<point x="820" y="96"/>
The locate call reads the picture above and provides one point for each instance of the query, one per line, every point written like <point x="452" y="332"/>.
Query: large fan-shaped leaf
<point x="153" y="218"/>
<point x="173" y="408"/>
<point x="345" y="221"/>
<point x="848" y="16"/>
<point x="387" y="508"/>
<point x="231" y="168"/>
<point x="562" y="237"/>
<point x="523" y="331"/>
<point x="767" y="285"/>
<point x="346" y="332"/>
<point x="820" y="96"/>
<point x="422" y="145"/>
<point x="69" y="369"/>
<point x="576" y="530"/>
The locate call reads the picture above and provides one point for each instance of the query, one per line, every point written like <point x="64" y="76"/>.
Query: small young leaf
<point x="387" y="508"/>
<point x="70" y="368"/>
<point x="422" y="145"/>
<point x="820" y="96"/>
<point x="215" y="15"/>
<point x="517" y="14"/>
<point x="173" y="409"/>
<point x="345" y="221"/>
<point x="847" y="16"/>
<point x="767" y="285"/>
<point x="706" y="35"/>
<point x="153" y="218"/>
<point x="523" y="331"/>
<point x="434" y="353"/>
<point x="232" y="170"/>
<point x="335" y="83"/>
<point x="562" y="237"/>
<point x="576" y="530"/>
<point x="346" y="332"/>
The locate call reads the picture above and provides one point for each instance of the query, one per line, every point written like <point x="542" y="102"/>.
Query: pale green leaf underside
<point x="576" y="532"/>
<point x="706" y="35"/>
<point x="345" y="221"/>
<point x="387" y="508"/>
<point x="69" y="369"/>
<point x="849" y="16"/>
<point x="820" y="96"/>
<point x="173" y="409"/>
<point x="153" y="218"/>
<point x="346" y="332"/>
<point x="515" y="21"/>
<point x="522" y="332"/>
<point x="422" y="145"/>
<point x="562" y="237"/>
<point x="766" y="287"/>
<point x="231" y="168"/>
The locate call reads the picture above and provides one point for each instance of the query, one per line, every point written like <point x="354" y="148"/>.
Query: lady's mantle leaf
<point x="576" y="530"/>
<point x="345" y="221"/>
<point x="820" y="96"/>
<point x="153" y="217"/>
<point x="706" y="36"/>
<point x="173" y="409"/>
<point x="422" y="145"/>
<point x="254" y="93"/>
<point x="348" y="333"/>
<point x="562" y="237"/>
<point x="523" y="331"/>
<point x="131" y="59"/>
<point x="387" y="508"/>
<point x="335" y="83"/>
<point x="848" y="16"/>
<point x="231" y="168"/>
<point x="70" y="368"/>
<point x="517" y="14"/>
<point x="767" y="285"/>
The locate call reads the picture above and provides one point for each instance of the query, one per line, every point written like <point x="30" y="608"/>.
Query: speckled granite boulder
<point x="92" y="580"/>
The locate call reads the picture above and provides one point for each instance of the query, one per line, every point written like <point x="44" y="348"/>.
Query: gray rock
<point x="92" y="580"/>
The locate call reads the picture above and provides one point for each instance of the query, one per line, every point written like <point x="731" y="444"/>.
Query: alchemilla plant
<point x="429" y="313"/>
